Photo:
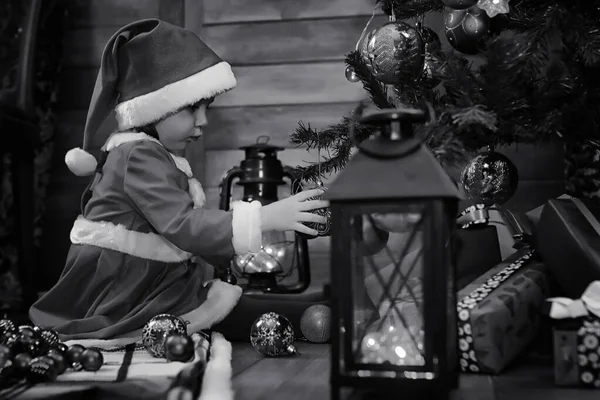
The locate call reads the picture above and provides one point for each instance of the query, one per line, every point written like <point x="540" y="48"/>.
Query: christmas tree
<point x="539" y="79"/>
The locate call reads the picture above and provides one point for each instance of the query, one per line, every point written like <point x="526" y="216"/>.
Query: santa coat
<point x="132" y="248"/>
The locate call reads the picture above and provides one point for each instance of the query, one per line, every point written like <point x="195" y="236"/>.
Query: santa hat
<point x="149" y="69"/>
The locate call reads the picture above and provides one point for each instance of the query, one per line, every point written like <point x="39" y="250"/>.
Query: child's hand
<point x="289" y="213"/>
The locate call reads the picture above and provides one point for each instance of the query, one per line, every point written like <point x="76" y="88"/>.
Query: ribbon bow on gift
<point x="589" y="303"/>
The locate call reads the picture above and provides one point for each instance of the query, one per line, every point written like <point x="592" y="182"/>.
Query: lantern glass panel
<point x="387" y="261"/>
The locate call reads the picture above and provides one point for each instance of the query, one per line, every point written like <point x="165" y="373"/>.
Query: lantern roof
<point x="393" y="165"/>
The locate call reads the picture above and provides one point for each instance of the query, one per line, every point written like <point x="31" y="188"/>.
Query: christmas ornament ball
<point x="322" y="229"/>
<point x="490" y="178"/>
<point x="21" y="362"/>
<point x="394" y="52"/>
<point x="91" y="360"/>
<point x="272" y="335"/>
<point x="466" y="29"/>
<point x="49" y="338"/>
<point x="315" y="323"/>
<point x="59" y="360"/>
<point x="5" y="355"/>
<point x="28" y="331"/>
<point x="179" y="348"/>
<point x="7" y="326"/>
<point x="41" y="369"/>
<point x="351" y="75"/>
<point x="61" y="347"/>
<point x="73" y="356"/>
<point x="459" y="4"/>
<point x="156" y="331"/>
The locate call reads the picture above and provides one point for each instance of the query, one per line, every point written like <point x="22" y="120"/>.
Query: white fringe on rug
<point x="216" y="382"/>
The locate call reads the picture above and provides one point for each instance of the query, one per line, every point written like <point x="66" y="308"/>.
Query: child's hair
<point x="149" y="130"/>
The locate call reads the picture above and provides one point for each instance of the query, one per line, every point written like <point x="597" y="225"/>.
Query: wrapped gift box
<point x="499" y="314"/>
<point x="577" y="352"/>
<point x="568" y="240"/>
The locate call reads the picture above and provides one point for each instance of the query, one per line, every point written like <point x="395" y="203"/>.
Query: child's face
<point x="176" y="131"/>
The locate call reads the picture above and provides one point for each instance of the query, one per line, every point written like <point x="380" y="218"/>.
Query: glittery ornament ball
<point x="494" y="7"/>
<point x="272" y="335"/>
<point x="315" y="323"/>
<point x="157" y="330"/>
<point x="322" y="229"/>
<point x="490" y="178"/>
<point x="7" y="326"/>
<point x="393" y="53"/>
<point x="466" y="29"/>
<point x="459" y="4"/>
<point x="41" y="369"/>
<point x="351" y="75"/>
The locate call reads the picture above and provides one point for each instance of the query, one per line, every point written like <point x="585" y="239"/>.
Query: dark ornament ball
<point x="49" y="338"/>
<point x="490" y="178"/>
<point x="41" y="369"/>
<point x="466" y="29"/>
<point x="393" y="53"/>
<point x="73" y="356"/>
<point x="29" y="331"/>
<point x="7" y="326"/>
<point x="59" y="359"/>
<point x="459" y="4"/>
<point x="91" y="360"/>
<point x="28" y="344"/>
<point x="272" y="335"/>
<point x="315" y="323"/>
<point x="61" y="347"/>
<point x="5" y="355"/>
<point x="156" y="331"/>
<point x="322" y="229"/>
<point x="351" y="75"/>
<point x="10" y="339"/>
<point x="179" y="348"/>
<point x="21" y="363"/>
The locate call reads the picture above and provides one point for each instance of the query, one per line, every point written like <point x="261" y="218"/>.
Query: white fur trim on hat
<point x="80" y="162"/>
<point x="151" y="107"/>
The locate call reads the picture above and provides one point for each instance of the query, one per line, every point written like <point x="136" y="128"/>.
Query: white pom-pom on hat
<point x="80" y="162"/>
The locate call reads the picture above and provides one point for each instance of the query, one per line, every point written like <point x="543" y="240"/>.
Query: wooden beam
<point x="109" y="13"/>
<point x="172" y="11"/>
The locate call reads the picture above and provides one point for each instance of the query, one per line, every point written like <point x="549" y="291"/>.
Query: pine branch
<point x="376" y="89"/>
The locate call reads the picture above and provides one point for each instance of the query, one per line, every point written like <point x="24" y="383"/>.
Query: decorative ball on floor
<point x="179" y="348"/>
<point x="59" y="359"/>
<point x="315" y="323"/>
<point x="394" y="52"/>
<point x="91" y="360"/>
<point x="41" y="369"/>
<point x="490" y="178"/>
<point x="7" y="326"/>
<point x="73" y="356"/>
<point x="466" y="29"/>
<point x="156" y="331"/>
<point x="272" y="335"/>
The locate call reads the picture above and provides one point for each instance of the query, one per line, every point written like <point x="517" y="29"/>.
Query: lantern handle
<point x="225" y="187"/>
<point x="263" y="139"/>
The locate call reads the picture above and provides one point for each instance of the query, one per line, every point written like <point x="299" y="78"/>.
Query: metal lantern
<point x="261" y="174"/>
<point x="393" y="291"/>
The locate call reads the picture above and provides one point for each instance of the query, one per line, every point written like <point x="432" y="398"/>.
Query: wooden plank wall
<point x="288" y="57"/>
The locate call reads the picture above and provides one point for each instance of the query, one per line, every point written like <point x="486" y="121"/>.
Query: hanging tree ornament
<point x="351" y="75"/>
<point x="394" y="52"/>
<point x="490" y="178"/>
<point x="459" y="4"/>
<point x="323" y="229"/>
<point x="433" y="65"/>
<point x="466" y="29"/>
<point x="494" y="7"/>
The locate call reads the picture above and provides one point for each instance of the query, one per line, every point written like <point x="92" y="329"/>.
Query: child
<point x="142" y="215"/>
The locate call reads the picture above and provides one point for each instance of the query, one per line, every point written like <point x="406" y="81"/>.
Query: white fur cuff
<point x="246" y="224"/>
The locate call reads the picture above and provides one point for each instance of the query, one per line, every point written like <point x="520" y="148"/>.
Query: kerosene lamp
<point x="261" y="174"/>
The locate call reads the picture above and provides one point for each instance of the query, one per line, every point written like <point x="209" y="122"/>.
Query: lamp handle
<point x="225" y="187"/>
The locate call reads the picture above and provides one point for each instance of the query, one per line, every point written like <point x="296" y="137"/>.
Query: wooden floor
<point x="306" y="377"/>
